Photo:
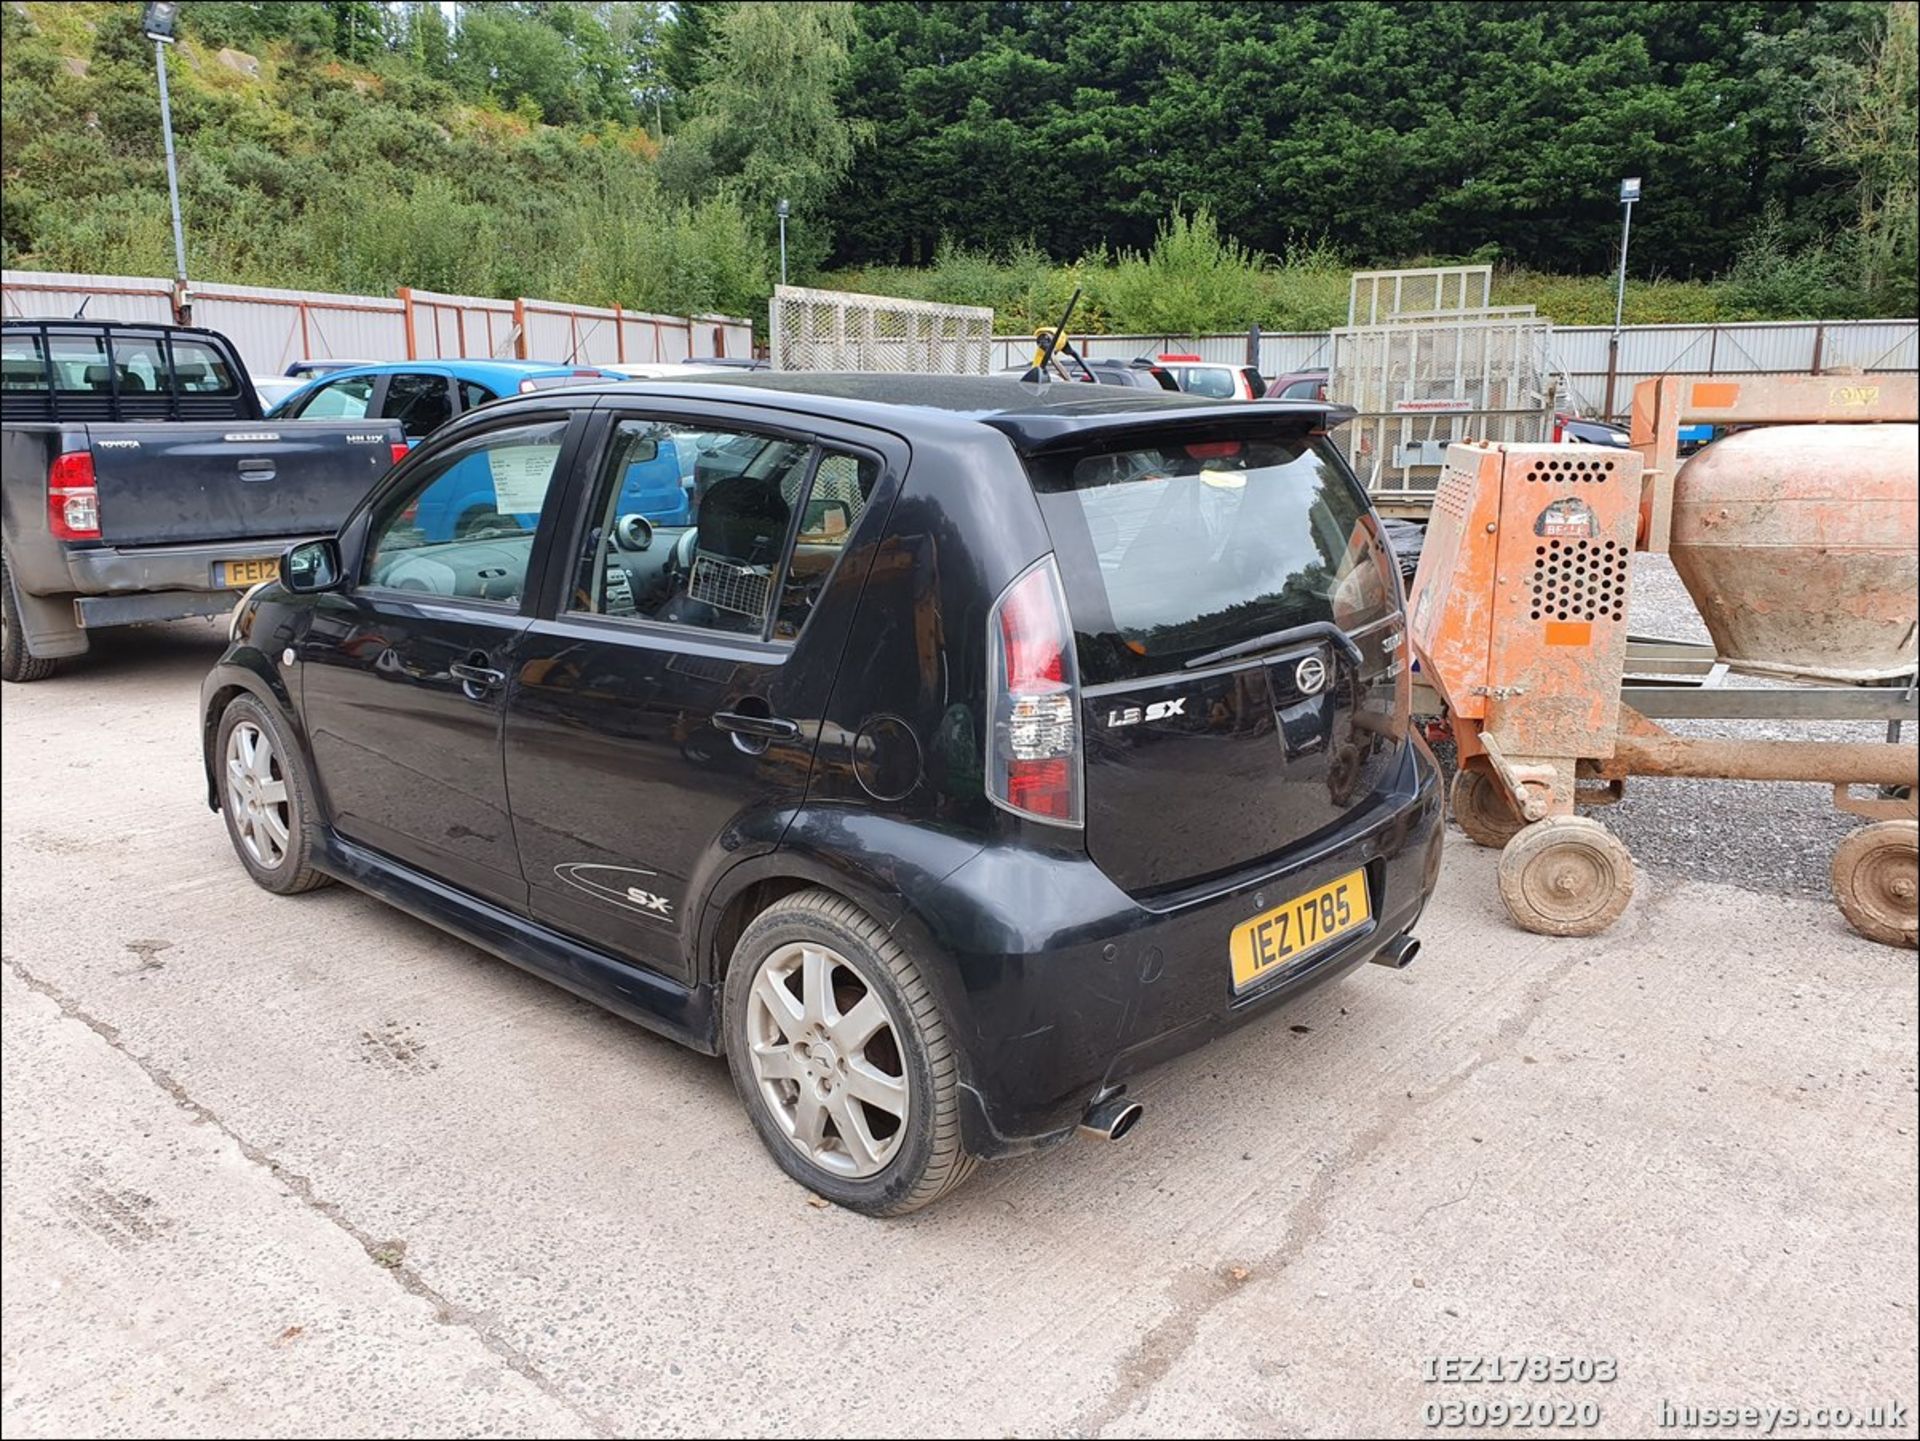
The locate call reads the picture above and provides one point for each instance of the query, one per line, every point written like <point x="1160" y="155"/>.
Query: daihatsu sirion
<point x="948" y="752"/>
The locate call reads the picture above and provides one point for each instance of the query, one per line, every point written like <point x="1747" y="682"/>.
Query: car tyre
<point x="266" y="797"/>
<point x="17" y="663"/>
<point x="831" y="1029"/>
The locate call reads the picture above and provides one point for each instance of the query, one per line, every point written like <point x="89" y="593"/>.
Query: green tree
<point x="766" y="125"/>
<point x="1866" y="121"/>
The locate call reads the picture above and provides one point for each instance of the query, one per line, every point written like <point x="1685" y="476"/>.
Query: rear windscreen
<point x="1171" y="551"/>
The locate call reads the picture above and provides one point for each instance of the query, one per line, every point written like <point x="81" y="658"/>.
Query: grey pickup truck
<point x="138" y="482"/>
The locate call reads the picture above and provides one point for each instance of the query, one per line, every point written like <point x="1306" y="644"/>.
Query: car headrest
<point x="744" y="519"/>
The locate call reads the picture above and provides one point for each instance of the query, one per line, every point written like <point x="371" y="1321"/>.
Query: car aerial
<point x="1215" y="380"/>
<point x="423" y="395"/>
<point x="957" y="750"/>
<point x="1298" y="385"/>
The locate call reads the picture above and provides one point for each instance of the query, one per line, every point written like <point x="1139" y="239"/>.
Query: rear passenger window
<point x="419" y="402"/>
<point x="724" y="530"/>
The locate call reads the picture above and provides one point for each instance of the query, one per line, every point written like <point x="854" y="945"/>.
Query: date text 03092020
<point x="1513" y="1370"/>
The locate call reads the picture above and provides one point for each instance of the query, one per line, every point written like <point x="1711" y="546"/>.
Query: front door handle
<point x="766" y="727"/>
<point x="476" y="677"/>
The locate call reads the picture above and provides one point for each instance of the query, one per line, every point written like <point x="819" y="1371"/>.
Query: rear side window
<point x="421" y="403"/>
<point x="1256" y="382"/>
<point x="1170" y="551"/>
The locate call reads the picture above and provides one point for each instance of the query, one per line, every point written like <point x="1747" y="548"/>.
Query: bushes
<point x="325" y="175"/>
<point x="1191" y="281"/>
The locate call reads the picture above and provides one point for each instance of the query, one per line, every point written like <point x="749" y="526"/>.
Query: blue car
<point x="423" y="396"/>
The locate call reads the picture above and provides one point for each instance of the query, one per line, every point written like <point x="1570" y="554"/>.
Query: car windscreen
<point x="1170" y="551"/>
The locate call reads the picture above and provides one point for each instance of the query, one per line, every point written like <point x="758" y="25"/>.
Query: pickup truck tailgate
<point x="171" y="484"/>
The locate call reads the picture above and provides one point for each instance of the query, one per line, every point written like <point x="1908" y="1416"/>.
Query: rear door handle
<point x="476" y="680"/>
<point x="256" y="469"/>
<point x="773" y="728"/>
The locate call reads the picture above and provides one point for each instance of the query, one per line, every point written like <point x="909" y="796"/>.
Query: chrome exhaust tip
<point x="1397" y="953"/>
<point x="1111" y="1117"/>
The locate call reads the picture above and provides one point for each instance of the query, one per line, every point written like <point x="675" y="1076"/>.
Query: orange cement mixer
<point x="1797" y="535"/>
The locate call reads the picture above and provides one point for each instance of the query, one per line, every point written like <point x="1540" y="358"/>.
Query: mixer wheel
<point x="1481" y="807"/>
<point x="1874" y="880"/>
<point x="1565" y="876"/>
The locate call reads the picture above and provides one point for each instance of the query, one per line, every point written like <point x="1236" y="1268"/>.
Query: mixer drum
<point x="1800" y="544"/>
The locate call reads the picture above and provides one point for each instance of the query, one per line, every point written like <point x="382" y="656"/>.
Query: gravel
<point x="1772" y="837"/>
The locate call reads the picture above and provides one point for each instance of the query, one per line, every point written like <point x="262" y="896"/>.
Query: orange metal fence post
<point x="405" y="292"/>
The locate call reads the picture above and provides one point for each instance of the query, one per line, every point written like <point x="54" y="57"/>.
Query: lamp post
<point x="1629" y="192"/>
<point x="158" y="23"/>
<point x="782" y="209"/>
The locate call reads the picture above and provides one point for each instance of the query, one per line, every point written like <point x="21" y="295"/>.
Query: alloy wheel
<point x="827" y="1060"/>
<point x="257" y="795"/>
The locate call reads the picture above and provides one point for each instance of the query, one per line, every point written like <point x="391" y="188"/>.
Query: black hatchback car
<point x="944" y="752"/>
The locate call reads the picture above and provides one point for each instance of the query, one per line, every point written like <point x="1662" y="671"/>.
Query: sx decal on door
<point x="605" y="882"/>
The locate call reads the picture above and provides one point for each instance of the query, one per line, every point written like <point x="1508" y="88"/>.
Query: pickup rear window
<point x="1173" y="550"/>
<point x="100" y="363"/>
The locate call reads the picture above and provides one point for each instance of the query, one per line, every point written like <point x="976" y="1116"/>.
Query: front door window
<point x="464" y="526"/>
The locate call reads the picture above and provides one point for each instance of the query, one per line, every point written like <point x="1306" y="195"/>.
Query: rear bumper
<point x="108" y="570"/>
<point x="1121" y="988"/>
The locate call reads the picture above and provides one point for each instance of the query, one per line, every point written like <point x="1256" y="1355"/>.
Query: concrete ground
<point x="305" y="1166"/>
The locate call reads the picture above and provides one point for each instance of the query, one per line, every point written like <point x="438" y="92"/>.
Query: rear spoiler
<point x="1041" y="432"/>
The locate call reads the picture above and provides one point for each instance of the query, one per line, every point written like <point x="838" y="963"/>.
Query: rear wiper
<point x="1324" y="630"/>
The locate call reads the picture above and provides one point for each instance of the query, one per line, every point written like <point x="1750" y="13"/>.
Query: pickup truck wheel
<point x="267" y="800"/>
<point x="17" y="663"/>
<point x="839" y="1048"/>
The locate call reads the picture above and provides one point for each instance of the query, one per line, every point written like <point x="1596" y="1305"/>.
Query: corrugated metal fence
<point x="1795" y="347"/>
<point x="273" y="327"/>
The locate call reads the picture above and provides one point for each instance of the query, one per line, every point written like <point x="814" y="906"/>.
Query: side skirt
<point x="681" y="1013"/>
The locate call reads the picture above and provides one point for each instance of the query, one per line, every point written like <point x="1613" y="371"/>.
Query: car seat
<point x="741" y="530"/>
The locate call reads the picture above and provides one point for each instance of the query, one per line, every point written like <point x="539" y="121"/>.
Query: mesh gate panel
<point x="841" y="330"/>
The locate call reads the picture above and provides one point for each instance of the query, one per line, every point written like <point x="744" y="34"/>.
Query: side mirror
<point x="311" y="566"/>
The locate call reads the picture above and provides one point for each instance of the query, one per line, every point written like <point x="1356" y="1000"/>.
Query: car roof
<point x="1034" y="415"/>
<point x="87" y="322"/>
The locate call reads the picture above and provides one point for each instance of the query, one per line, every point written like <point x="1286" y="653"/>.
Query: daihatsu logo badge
<point x="1310" y="676"/>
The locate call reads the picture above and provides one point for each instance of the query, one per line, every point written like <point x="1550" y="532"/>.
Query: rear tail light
<point x="1559" y="428"/>
<point x="399" y="451"/>
<point x="73" y="501"/>
<point x="1034" y="751"/>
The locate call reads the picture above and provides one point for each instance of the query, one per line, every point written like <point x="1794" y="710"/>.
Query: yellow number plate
<point x="237" y="574"/>
<point x="1285" y="933"/>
